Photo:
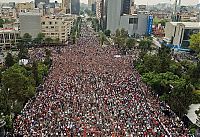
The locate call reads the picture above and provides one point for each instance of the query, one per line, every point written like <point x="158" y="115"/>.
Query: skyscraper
<point x="38" y="1"/>
<point x="90" y="2"/>
<point x="99" y="9"/>
<point x="65" y="6"/>
<point x="114" y="12"/>
<point x="75" y="7"/>
<point x="126" y="6"/>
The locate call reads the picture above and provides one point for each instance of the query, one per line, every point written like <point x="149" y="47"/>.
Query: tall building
<point x="92" y="5"/>
<point x="126" y="6"/>
<point x="75" y="7"/>
<point x="118" y="16"/>
<point x="30" y="23"/>
<point x="66" y="6"/>
<point x="90" y="2"/>
<point x="99" y="4"/>
<point x="114" y="11"/>
<point x="39" y="1"/>
<point x="93" y="8"/>
<point x="101" y="12"/>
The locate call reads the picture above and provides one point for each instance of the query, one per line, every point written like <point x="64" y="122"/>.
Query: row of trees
<point x="123" y="41"/>
<point x="173" y="81"/>
<point x="96" y="24"/>
<point x="164" y="75"/>
<point x="75" y="31"/>
<point x="157" y="21"/>
<point x="40" y="39"/>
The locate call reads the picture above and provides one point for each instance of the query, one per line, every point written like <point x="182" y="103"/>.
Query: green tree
<point x="176" y="68"/>
<point x="9" y="60"/>
<point x="124" y="33"/>
<point x="195" y="42"/>
<point x="35" y="72"/>
<point x="149" y="63"/>
<point x="57" y="40"/>
<point x="48" y="52"/>
<point x="145" y="45"/>
<point x="18" y="84"/>
<point x="42" y="71"/>
<point x="195" y="75"/>
<point x="107" y="33"/>
<point x="17" y="87"/>
<point x="102" y="38"/>
<point x="130" y="43"/>
<point x="27" y="38"/>
<point x="48" y="40"/>
<point x="164" y="55"/>
<point x="1" y="23"/>
<point x="23" y="53"/>
<point x="176" y="91"/>
<point x="117" y="33"/>
<point x="95" y="24"/>
<point x="39" y="39"/>
<point x="120" y="37"/>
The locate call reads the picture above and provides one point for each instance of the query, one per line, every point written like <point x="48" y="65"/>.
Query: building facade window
<point x="130" y="20"/>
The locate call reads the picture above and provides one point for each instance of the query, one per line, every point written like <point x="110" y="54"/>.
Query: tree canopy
<point x="39" y="39"/>
<point x="9" y="60"/>
<point x="195" y="42"/>
<point x="107" y="33"/>
<point x="18" y="83"/>
<point x="123" y="41"/>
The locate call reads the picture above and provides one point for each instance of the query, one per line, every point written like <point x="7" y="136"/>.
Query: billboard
<point x="149" y="25"/>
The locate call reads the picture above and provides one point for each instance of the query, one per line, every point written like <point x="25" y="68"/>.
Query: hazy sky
<point x="150" y="2"/>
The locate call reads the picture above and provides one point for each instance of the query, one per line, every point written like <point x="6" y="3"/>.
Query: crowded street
<point x="93" y="91"/>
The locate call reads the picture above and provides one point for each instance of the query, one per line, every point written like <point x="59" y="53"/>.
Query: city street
<point x="91" y="92"/>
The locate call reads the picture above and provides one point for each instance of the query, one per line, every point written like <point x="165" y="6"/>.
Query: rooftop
<point x="187" y="24"/>
<point x="8" y="30"/>
<point x="30" y="13"/>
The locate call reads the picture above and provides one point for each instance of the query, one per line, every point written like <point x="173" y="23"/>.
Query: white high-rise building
<point x="114" y="10"/>
<point x="99" y="4"/>
<point x="117" y="18"/>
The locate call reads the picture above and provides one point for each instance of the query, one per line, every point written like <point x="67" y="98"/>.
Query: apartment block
<point x="24" y="7"/>
<point x="57" y="27"/>
<point x="30" y="23"/>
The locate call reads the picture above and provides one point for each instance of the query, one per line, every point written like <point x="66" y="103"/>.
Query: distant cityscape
<point x="43" y="16"/>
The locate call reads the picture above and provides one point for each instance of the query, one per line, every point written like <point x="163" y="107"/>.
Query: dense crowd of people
<point x="92" y="92"/>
